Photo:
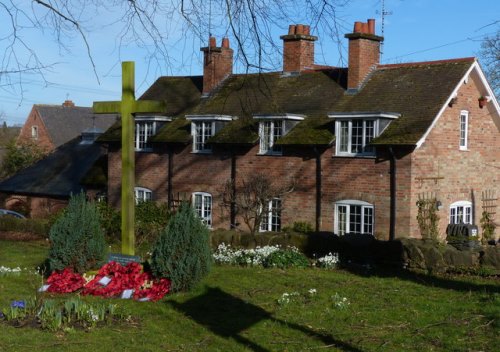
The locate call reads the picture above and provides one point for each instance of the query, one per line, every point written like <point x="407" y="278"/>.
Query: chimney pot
<point x="307" y="30"/>
<point x="212" y="42"/>
<point x="68" y="104"/>
<point x="371" y="26"/>
<point x="291" y="29"/>
<point x="358" y="27"/>
<point x="299" y="29"/>
<point x="225" y="42"/>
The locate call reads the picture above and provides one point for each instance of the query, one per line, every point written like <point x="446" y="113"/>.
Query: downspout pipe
<point x="169" y="178"/>
<point x="318" y="189"/>
<point x="392" y="172"/>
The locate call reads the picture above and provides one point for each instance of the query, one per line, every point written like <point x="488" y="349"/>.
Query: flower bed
<point x="112" y="280"/>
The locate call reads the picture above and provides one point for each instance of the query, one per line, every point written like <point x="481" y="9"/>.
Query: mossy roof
<point x="416" y="91"/>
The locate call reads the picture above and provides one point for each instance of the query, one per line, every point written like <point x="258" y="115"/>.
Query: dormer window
<point x="145" y="128"/>
<point x="355" y="131"/>
<point x="203" y="127"/>
<point x="272" y="128"/>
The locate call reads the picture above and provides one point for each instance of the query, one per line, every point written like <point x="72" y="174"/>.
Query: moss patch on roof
<point x="176" y="131"/>
<point x="311" y="131"/>
<point x="417" y="92"/>
<point x="242" y="131"/>
<point x="112" y="134"/>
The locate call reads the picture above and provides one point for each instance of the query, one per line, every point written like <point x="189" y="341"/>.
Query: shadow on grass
<point x="422" y="278"/>
<point x="229" y="317"/>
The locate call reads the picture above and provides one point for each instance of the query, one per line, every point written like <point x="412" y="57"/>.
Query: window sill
<point x="205" y="152"/>
<point x="363" y="156"/>
<point x="462" y="149"/>
<point x="271" y="154"/>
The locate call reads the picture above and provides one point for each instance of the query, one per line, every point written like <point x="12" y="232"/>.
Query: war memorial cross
<point x="127" y="107"/>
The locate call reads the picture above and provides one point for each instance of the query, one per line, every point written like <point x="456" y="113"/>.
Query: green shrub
<point x="488" y="226"/>
<point x="77" y="239"/>
<point x="286" y="258"/>
<point x="150" y="219"/>
<point x="182" y="252"/>
<point x="110" y="221"/>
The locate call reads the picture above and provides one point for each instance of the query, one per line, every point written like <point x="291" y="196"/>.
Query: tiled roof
<point x="64" y="123"/>
<point x="180" y="95"/>
<point x="61" y="173"/>
<point x="416" y="91"/>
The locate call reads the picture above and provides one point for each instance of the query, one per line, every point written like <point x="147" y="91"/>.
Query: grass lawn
<point x="238" y="309"/>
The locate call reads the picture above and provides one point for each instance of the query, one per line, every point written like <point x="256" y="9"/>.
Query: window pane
<point x="265" y="136"/>
<point x="344" y="136"/>
<point x="453" y="212"/>
<point x="342" y="214"/>
<point x="368" y="220"/>
<point x="357" y="136"/>
<point x="460" y="215"/>
<point x="468" y="217"/>
<point x="264" y="223"/>
<point x="275" y="215"/>
<point x="369" y="135"/>
<point x="277" y="133"/>
<point x="463" y="130"/>
<point x="207" y="209"/>
<point x="355" y="219"/>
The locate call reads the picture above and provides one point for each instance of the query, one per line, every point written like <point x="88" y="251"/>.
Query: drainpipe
<point x="392" y="172"/>
<point x="318" y="189"/>
<point x="169" y="178"/>
<point x="233" y="190"/>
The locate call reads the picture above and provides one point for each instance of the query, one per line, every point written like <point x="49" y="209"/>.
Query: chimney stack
<point x="364" y="52"/>
<point x="68" y="104"/>
<point x="217" y="64"/>
<point x="298" y="49"/>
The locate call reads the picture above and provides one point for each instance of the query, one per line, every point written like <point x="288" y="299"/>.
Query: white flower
<point x="312" y="291"/>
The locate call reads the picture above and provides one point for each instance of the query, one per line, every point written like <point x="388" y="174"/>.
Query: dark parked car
<point x="5" y="212"/>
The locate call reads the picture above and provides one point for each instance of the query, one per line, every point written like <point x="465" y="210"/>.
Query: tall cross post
<point x="127" y="107"/>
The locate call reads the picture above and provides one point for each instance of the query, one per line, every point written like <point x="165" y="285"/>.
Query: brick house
<point x="50" y="126"/>
<point x="73" y="162"/>
<point x="362" y="144"/>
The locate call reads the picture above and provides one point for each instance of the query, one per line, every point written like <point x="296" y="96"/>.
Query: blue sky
<point x="416" y="30"/>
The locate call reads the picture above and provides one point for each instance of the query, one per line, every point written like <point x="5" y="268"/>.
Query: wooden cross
<point x="126" y="108"/>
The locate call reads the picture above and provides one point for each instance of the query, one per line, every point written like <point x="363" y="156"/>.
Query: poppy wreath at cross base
<point x="112" y="280"/>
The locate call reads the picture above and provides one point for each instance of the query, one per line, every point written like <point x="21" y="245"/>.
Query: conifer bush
<point x="182" y="252"/>
<point x="77" y="239"/>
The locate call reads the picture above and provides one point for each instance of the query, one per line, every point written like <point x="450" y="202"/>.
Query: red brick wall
<point x="363" y="55"/>
<point x="151" y="171"/>
<point x="298" y="55"/>
<point x="43" y="140"/>
<point x="342" y="178"/>
<point x="452" y="174"/>
<point x="217" y="64"/>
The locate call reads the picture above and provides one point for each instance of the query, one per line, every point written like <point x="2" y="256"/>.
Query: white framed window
<point x="353" y="216"/>
<point x="464" y="129"/>
<point x="145" y="128"/>
<point x="202" y="204"/>
<point x="34" y="132"/>
<point x="354" y="131"/>
<point x="272" y="128"/>
<point x="142" y="194"/>
<point x="354" y="136"/>
<point x="202" y="131"/>
<point x="461" y="212"/>
<point x="271" y="216"/>
<point x="269" y="132"/>
<point x="203" y="127"/>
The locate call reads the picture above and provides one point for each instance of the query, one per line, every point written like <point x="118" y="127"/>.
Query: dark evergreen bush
<point x="182" y="252"/>
<point x="150" y="220"/>
<point x="77" y="239"/>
